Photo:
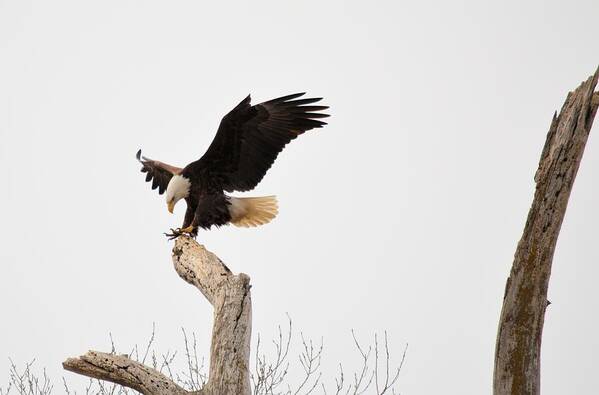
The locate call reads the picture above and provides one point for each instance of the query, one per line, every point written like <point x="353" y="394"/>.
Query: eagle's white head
<point x="177" y="189"/>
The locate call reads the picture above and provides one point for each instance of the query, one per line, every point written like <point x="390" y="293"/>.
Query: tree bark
<point x="229" y="294"/>
<point x="518" y="347"/>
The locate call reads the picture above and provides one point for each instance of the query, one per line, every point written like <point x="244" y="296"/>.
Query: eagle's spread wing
<point x="249" y="138"/>
<point x="158" y="172"/>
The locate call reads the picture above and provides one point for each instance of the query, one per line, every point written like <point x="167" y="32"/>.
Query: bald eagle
<point x="246" y="145"/>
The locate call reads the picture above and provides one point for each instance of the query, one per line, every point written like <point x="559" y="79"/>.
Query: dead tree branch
<point x="517" y="354"/>
<point x="122" y="370"/>
<point x="229" y="294"/>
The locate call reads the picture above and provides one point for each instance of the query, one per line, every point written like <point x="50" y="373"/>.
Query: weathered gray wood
<point x="121" y="370"/>
<point x="229" y="294"/>
<point x="518" y="347"/>
<point x="231" y="331"/>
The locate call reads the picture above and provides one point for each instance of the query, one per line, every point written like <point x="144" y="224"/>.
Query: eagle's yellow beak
<point x="171" y="206"/>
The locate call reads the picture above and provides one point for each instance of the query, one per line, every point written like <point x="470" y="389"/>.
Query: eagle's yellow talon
<point x="189" y="229"/>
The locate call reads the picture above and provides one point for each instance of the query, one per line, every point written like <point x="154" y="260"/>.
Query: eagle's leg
<point x="188" y="227"/>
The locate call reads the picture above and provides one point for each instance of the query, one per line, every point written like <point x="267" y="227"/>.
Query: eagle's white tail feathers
<point x="254" y="211"/>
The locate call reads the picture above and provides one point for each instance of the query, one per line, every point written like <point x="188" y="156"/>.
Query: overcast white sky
<point x="403" y="214"/>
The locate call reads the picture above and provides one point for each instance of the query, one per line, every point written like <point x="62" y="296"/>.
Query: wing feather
<point x="158" y="172"/>
<point x="250" y="138"/>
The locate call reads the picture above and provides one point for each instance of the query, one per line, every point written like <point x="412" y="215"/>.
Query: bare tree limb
<point x="229" y="294"/>
<point x="517" y="354"/>
<point x="120" y="369"/>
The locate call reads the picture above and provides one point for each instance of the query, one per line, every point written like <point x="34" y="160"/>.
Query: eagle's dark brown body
<point x="246" y="145"/>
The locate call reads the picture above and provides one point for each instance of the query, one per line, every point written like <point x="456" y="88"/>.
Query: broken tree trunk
<point x="229" y="294"/>
<point x="518" y="348"/>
